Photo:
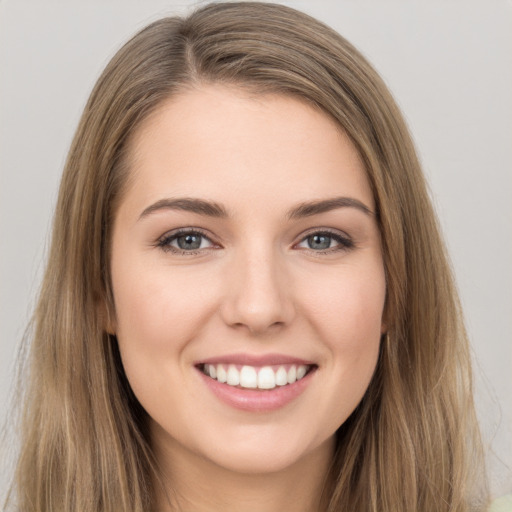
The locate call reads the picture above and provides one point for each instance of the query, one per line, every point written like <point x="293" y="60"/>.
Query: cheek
<point x="347" y="307"/>
<point x="156" y="309"/>
<point x="157" y="315"/>
<point x="357" y="326"/>
<point x="347" y="317"/>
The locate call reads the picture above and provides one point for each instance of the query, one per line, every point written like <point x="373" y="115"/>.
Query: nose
<point x="258" y="297"/>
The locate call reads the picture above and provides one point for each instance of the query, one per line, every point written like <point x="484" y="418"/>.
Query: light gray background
<point x="449" y="64"/>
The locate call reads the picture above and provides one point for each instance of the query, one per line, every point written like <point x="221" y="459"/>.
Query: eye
<point x="325" y="241"/>
<point x="185" y="241"/>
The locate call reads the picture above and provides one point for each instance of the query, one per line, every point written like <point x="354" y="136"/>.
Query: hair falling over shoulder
<point x="413" y="442"/>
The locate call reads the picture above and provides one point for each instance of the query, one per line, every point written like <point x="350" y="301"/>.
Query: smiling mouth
<point x="256" y="377"/>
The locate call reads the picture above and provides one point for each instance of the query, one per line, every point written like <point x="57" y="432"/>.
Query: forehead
<point x="222" y="143"/>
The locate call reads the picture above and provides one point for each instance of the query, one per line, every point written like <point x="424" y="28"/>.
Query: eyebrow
<point x="311" y="208"/>
<point x="212" y="209"/>
<point x="199" y="206"/>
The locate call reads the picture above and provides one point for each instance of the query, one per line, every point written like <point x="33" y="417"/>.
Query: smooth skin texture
<point x="254" y="280"/>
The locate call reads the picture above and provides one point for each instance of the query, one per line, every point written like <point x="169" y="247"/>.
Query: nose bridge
<point x="258" y="297"/>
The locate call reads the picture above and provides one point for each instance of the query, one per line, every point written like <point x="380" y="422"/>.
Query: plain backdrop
<point x="448" y="63"/>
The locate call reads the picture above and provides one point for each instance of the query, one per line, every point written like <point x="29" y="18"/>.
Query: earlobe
<point x="110" y="328"/>
<point x="387" y="319"/>
<point x="384" y="327"/>
<point x="110" y="324"/>
<point x="106" y="318"/>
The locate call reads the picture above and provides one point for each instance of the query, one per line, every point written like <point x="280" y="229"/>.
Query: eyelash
<point x="164" y="243"/>
<point x="345" y="242"/>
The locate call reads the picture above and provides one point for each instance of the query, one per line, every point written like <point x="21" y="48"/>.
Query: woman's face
<point x="245" y="247"/>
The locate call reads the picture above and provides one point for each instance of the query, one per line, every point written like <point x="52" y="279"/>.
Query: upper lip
<point x="255" y="360"/>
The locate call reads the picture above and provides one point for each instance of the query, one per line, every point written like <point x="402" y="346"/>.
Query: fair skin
<point x="280" y="269"/>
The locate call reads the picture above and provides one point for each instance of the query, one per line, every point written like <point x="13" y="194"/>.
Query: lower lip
<point x="257" y="400"/>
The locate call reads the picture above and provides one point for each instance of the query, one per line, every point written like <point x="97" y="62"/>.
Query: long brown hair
<point x="412" y="444"/>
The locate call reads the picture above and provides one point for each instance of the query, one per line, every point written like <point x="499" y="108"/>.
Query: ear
<point x="386" y="320"/>
<point x="106" y="316"/>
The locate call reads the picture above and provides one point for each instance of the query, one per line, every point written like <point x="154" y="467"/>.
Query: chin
<point x="257" y="454"/>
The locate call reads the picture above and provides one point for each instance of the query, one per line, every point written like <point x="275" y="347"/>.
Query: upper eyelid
<point x="172" y="234"/>
<point x="184" y="231"/>
<point x="164" y="242"/>
<point x="328" y="231"/>
<point x="344" y="240"/>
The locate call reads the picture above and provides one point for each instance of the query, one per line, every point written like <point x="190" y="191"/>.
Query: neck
<point x="191" y="482"/>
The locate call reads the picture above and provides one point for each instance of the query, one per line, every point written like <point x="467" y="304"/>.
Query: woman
<point x="247" y="304"/>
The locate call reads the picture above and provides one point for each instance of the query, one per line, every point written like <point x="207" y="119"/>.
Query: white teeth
<point x="233" y="378"/>
<point x="281" y="376"/>
<point x="250" y="377"/>
<point x="301" y="371"/>
<point x="292" y="374"/>
<point x="266" y="378"/>
<point x="222" y="376"/>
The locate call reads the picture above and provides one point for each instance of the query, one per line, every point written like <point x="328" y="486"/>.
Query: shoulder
<point x="503" y="504"/>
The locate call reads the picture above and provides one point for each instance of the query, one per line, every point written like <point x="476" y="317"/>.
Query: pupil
<point x="189" y="242"/>
<point x="319" y="242"/>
